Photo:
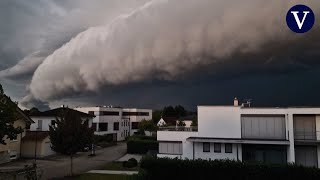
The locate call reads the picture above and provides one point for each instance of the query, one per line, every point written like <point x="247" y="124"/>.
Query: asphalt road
<point x="59" y="166"/>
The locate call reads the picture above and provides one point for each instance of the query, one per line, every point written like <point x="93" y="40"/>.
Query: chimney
<point x="235" y="102"/>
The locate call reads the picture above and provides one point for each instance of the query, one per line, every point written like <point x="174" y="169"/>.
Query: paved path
<point x="126" y="157"/>
<point x="112" y="172"/>
<point x="59" y="166"/>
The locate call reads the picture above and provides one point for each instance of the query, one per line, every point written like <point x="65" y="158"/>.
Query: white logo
<point x="300" y="23"/>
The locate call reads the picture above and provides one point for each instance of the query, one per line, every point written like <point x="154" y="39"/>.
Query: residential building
<point x="12" y="149"/>
<point x="118" y="122"/>
<point x="273" y="135"/>
<point x="37" y="138"/>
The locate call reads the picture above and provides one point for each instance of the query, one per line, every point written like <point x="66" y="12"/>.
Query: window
<point x="39" y="125"/>
<point x="103" y="126"/>
<point x="94" y="126"/>
<point x="135" y="113"/>
<point x="116" y="126"/>
<point x="134" y="125"/>
<point x="217" y="147"/>
<point x="109" y="113"/>
<point x="206" y="147"/>
<point x="91" y="113"/>
<point x="228" y="148"/>
<point x="170" y="148"/>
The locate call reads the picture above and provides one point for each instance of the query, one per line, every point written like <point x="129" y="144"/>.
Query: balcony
<point x="178" y="128"/>
<point x="306" y="135"/>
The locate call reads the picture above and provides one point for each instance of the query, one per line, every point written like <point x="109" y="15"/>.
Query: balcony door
<point x="304" y="127"/>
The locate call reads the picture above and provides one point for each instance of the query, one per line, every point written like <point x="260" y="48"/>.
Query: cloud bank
<point x="161" y="40"/>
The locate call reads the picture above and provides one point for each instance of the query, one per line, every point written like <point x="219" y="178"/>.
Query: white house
<point x="119" y="122"/>
<point x="275" y="135"/>
<point x="161" y="122"/>
<point x="38" y="137"/>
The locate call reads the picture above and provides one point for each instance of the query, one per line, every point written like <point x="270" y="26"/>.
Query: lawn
<point x="117" y="166"/>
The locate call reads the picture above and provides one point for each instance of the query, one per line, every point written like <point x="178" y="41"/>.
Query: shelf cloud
<point x="160" y="40"/>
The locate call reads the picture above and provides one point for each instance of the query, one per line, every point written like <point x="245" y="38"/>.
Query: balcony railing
<point x="306" y="135"/>
<point x="178" y="128"/>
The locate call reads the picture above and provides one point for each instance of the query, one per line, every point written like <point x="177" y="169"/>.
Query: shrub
<point x="163" y="168"/>
<point x="136" y="146"/>
<point x="133" y="161"/>
<point x="130" y="163"/>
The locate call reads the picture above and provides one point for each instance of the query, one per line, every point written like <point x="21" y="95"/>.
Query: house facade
<point x="118" y="122"/>
<point x="273" y="135"/>
<point x="37" y="141"/>
<point x="12" y="149"/>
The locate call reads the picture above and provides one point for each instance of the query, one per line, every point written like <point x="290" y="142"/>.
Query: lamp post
<point x="35" y="148"/>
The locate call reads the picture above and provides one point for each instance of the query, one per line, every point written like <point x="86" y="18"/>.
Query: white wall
<point x="46" y="121"/>
<point x="219" y="121"/>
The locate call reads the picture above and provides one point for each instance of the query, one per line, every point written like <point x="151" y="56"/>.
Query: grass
<point x="117" y="166"/>
<point x="104" y="176"/>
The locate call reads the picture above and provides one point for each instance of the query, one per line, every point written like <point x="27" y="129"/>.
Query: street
<point x="59" y="166"/>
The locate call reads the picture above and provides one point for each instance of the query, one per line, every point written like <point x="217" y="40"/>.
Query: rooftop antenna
<point x="248" y="102"/>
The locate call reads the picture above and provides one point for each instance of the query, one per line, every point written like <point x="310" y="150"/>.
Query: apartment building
<point x="273" y="135"/>
<point x="118" y="122"/>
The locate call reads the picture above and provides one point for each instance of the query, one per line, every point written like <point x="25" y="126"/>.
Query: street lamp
<point x="35" y="148"/>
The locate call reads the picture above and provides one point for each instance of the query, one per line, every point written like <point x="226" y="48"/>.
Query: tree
<point x="156" y="115"/>
<point x="145" y="125"/>
<point x="32" y="111"/>
<point x="70" y="134"/>
<point x="169" y="111"/>
<point x="194" y="122"/>
<point x="8" y="115"/>
<point x="180" y="111"/>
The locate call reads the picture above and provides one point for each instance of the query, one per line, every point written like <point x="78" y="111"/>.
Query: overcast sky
<point x="143" y="53"/>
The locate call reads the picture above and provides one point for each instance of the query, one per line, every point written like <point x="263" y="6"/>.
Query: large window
<point x="109" y="113"/>
<point x="217" y="147"/>
<point x="228" y="148"/>
<point x="206" y="147"/>
<point x="174" y="148"/>
<point x="264" y="153"/>
<point x="103" y="126"/>
<point x="135" y="113"/>
<point x="116" y="126"/>
<point x="134" y="125"/>
<point x="94" y="126"/>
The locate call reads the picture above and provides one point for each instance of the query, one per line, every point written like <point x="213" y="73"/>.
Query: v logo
<point x="300" y="23"/>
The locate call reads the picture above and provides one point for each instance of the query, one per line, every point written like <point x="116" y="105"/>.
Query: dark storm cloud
<point x="163" y="52"/>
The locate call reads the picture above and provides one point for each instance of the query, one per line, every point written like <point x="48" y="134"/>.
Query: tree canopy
<point x="8" y="115"/>
<point x="70" y="134"/>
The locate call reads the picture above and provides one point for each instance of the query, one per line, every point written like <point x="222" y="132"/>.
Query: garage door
<point x="263" y="127"/>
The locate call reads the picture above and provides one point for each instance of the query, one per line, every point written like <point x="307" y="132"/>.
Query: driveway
<point x="59" y="166"/>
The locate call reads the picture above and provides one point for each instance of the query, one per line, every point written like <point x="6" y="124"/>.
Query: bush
<point x="136" y="146"/>
<point x="133" y="161"/>
<point x="130" y="163"/>
<point x="162" y="168"/>
<point x="142" y="137"/>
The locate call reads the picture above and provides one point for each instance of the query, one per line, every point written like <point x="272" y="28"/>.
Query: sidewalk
<point x="112" y="172"/>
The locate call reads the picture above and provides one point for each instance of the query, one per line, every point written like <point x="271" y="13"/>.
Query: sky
<point x="154" y="53"/>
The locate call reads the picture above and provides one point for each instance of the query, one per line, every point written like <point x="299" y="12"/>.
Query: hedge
<point x="163" y="168"/>
<point x="142" y="137"/>
<point x="137" y="146"/>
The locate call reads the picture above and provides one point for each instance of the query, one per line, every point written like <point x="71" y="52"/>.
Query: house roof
<point x="33" y="135"/>
<point x="56" y="112"/>
<point x="20" y="114"/>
